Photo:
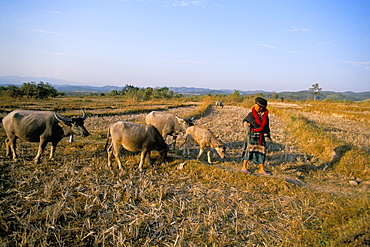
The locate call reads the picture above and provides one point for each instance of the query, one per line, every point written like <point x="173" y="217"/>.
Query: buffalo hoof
<point x="181" y="166"/>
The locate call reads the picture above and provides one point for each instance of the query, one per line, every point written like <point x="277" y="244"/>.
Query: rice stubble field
<point x="77" y="200"/>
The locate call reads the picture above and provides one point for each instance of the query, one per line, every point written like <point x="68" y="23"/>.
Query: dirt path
<point x="226" y="123"/>
<point x="284" y="158"/>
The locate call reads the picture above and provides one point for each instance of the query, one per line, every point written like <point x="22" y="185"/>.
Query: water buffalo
<point x="40" y="126"/>
<point x="219" y="103"/>
<point x="134" y="137"/>
<point x="206" y="139"/>
<point x="168" y="124"/>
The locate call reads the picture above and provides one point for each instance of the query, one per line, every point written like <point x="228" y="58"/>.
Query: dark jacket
<point x="253" y="124"/>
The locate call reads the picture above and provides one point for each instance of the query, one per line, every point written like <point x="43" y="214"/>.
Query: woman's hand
<point x="247" y="124"/>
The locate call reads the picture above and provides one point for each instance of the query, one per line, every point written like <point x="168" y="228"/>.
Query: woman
<point x="257" y="123"/>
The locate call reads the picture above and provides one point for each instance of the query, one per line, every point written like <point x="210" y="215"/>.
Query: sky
<point x="270" y="45"/>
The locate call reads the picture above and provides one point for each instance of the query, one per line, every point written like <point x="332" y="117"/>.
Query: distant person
<point x="257" y="123"/>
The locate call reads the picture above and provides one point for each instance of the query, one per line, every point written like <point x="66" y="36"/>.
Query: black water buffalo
<point x="134" y="137"/>
<point x="219" y="103"/>
<point x="40" y="126"/>
<point x="206" y="139"/>
<point x="168" y="124"/>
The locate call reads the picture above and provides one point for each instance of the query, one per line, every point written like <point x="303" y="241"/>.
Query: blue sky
<point x="271" y="45"/>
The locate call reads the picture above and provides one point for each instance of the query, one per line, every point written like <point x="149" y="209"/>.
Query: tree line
<point x="147" y="93"/>
<point x="43" y="90"/>
<point x="40" y="90"/>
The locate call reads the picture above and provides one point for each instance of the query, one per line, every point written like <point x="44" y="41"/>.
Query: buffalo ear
<point x="62" y="124"/>
<point x="190" y="121"/>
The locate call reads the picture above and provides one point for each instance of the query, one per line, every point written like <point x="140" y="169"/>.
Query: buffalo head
<point x="75" y="125"/>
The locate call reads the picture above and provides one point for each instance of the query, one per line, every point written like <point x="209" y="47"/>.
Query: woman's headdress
<point x="261" y="102"/>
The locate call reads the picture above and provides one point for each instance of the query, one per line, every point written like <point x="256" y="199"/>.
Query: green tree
<point x="316" y="90"/>
<point x="38" y="91"/>
<point x="113" y="93"/>
<point x="14" y="91"/>
<point x="148" y="93"/>
<point x="235" y="96"/>
<point x="129" y="89"/>
<point x="29" y="89"/>
<point x="161" y="93"/>
<point x="275" y="95"/>
<point x="45" y="90"/>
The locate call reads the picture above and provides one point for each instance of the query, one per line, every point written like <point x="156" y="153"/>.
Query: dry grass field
<point x="318" y="150"/>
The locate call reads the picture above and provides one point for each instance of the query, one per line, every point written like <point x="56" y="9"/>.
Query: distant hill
<point x="60" y="85"/>
<point x="68" y="86"/>
<point x="76" y="88"/>
<point x="204" y="91"/>
<point x="88" y="89"/>
<point x="18" y="80"/>
<point x="303" y="95"/>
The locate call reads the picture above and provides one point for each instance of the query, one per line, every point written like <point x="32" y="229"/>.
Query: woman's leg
<point x="245" y="163"/>
<point x="244" y="167"/>
<point x="262" y="170"/>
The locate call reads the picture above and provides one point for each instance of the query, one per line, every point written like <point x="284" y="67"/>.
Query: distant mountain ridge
<point x="18" y="80"/>
<point x="68" y="86"/>
<point x="76" y="88"/>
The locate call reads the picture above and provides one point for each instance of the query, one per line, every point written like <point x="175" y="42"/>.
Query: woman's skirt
<point x="256" y="150"/>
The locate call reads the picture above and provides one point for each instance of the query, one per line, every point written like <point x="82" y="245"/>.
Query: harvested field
<point x="350" y="127"/>
<point x="77" y="200"/>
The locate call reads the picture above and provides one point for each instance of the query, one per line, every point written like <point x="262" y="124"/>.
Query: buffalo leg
<point x="186" y="146"/>
<point x="147" y="159"/>
<point x="40" y="150"/>
<point x="163" y="154"/>
<point x="174" y="142"/>
<point x="7" y="147"/>
<point x="142" y="159"/>
<point x="11" y="145"/>
<point x="109" y="153"/>
<point x="116" y="153"/>
<point x="201" y="150"/>
<point x="209" y="156"/>
<point x="186" y="149"/>
<point x="52" y="150"/>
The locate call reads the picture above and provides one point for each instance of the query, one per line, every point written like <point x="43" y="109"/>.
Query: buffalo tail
<point x="106" y="143"/>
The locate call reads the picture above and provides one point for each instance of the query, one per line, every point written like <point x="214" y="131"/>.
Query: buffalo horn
<point x="60" y="118"/>
<point x="84" y="116"/>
